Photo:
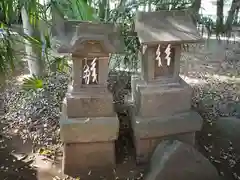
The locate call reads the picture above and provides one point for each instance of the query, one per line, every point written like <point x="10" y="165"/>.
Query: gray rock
<point x="229" y="127"/>
<point x="174" y="160"/>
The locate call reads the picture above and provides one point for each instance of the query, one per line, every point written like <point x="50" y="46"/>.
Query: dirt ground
<point x="216" y="66"/>
<point x="18" y="162"/>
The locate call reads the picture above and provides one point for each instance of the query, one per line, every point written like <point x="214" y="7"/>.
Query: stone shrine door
<point x="90" y="71"/>
<point x="164" y="61"/>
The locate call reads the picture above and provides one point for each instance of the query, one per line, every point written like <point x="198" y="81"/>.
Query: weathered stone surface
<point x="176" y="160"/>
<point x="166" y="125"/>
<point x="188" y="138"/>
<point x="158" y="101"/>
<point x="79" y="33"/>
<point x="92" y="102"/>
<point x="89" y="129"/>
<point x="166" y="26"/>
<point x="85" y="157"/>
<point x="145" y="147"/>
<point x="229" y="126"/>
<point x="227" y="130"/>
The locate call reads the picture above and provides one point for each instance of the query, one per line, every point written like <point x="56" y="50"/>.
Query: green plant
<point x="32" y="83"/>
<point x="59" y="64"/>
<point x="124" y="17"/>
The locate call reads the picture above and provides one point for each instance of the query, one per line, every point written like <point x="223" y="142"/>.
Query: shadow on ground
<point x="12" y="167"/>
<point x="221" y="149"/>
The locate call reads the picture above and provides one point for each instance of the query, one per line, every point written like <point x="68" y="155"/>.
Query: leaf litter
<point x="216" y="93"/>
<point x="34" y="115"/>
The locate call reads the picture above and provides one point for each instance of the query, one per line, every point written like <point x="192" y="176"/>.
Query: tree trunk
<point x="102" y="9"/>
<point x="236" y="15"/>
<point x="107" y="10"/>
<point x="196" y="5"/>
<point x="149" y="5"/>
<point x="57" y="21"/>
<point x="145" y="6"/>
<point x="231" y="12"/>
<point x="33" y="51"/>
<point x="219" y="21"/>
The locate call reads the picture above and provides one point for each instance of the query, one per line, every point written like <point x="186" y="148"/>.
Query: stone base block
<point x="145" y="128"/>
<point x="156" y="100"/>
<point x="145" y="147"/>
<point x="81" y="158"/>
<point x="188" y="138"/>
<point x="177" y="160"/>
<point x="89" y="102"/>
<point x="101" y="129"/>
<point x="149" y="132"/>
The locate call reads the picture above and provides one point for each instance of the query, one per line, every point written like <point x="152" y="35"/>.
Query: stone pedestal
<point x="162" y="111"/>
<point x="89" y="126"/>
<point x="82" y="158"/>
<point x="149" y="132"/>
<point x="162" y="99"/>
<point x="90" y="102"/>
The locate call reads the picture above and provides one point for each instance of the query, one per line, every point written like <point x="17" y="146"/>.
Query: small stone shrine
<point x="89" y="126"/>
<point x="162" y="100"/>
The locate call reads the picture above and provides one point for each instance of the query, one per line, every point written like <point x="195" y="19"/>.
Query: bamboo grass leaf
<point x="32" y="83"/>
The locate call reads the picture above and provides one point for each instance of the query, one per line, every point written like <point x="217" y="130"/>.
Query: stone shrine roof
<point x="78" y="32"/>
<point x="166" y="26"/>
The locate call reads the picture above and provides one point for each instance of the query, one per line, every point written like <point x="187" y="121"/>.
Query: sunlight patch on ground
<point x="223" y="78"/>
<point x="22" y="77"/>
<point x="127" y="69"/>
<point x="220" y="78"/>
<point x="191" y="80"/>
<point x="236" y="38"/>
